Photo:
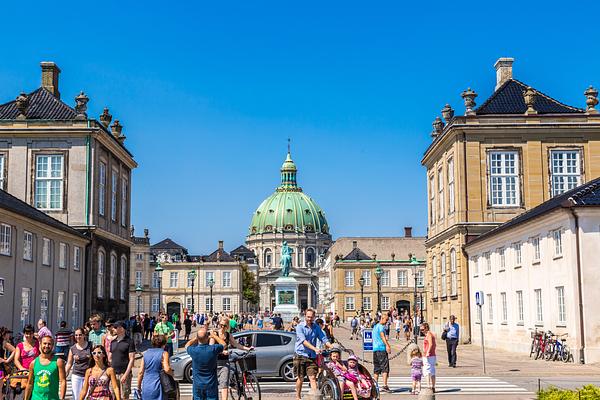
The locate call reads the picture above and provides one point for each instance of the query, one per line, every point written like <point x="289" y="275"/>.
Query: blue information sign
<point x="367" y="340"/>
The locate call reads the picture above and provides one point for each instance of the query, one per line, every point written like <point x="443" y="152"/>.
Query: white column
<point x="310" y="294"/>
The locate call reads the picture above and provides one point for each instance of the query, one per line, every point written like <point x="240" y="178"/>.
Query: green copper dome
<point x="288" y="209"/>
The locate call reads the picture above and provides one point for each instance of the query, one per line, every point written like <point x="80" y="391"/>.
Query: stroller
<point x="328" y="383"/>
<point x="15" y="385"/>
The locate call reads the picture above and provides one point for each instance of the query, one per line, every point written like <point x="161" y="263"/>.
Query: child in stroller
<point x="345" y="379"/>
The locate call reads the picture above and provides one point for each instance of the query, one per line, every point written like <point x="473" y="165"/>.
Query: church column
<point x="310" y="303"/>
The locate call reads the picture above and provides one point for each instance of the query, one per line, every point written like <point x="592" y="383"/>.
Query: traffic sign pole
<point x="367" y="337"/>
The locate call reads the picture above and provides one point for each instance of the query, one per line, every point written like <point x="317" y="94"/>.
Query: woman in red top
<point x="429" y="357"/>
<point x="27" y="350"/>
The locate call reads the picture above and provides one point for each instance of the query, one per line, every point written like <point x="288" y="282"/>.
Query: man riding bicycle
<point x="305" y="358"/>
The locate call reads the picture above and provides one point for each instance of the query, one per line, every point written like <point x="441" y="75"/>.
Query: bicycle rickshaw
<point x="15" y="385"/>
<point x="330" y="388"/>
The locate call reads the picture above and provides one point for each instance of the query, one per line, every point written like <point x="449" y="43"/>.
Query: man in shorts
<point x="381" y="349"/>
<point x="306" y="350"/>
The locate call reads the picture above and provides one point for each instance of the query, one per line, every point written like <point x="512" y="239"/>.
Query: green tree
<point x="249" y="285"/>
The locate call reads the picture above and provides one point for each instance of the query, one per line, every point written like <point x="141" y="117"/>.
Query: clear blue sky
<point x="209" y="94"/>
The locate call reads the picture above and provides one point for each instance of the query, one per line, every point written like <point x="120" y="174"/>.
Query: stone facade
<point x="506" y="147"/>
<point x="142" y="274"/>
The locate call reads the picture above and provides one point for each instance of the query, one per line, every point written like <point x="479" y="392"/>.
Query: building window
<point x="49" y="182"/>
<point x="310" y="256"/>
<point x="349" y="304"/>
<point x="490" y="308"/>
<point x="173" y="278"/>
<point x="450" y="173"/>
<point x="1" y="286"/>
<point x="155" y="280"/>
<point x="60" y="308"/>
<point x="557" y="239"/>
<point x="562" y="308"/>
<point x="367" y="303"/>
<point x="209" y="276"/>
<point x="453" y="274"/>
<point x="488" y="262"/>
<point x="2" y="164"/>
<point x="539" y="311"/>
<point x="27" y="246"/>
<point x="114" y="187"/>
<point x="101" y="265"/>
<point x="443" y="273"/>
<point x="226" y="303"/>
<point x="477" y="262"/>
<point x="189" y="280"/>
<point x="46" y="251"/>
<point x="504" y="307"/>
<point x="124" y="186"/>
<point x="75" y="310"/>
<point x="5" y="239"/>
<point x="420" y="278"/>
<point x="504" y="178"/>
<point x="44" y="294"/>
<point x="421" y="305"/>
<point x="518" y="254"/>
<point x="102" y="189"/>
<point x="535" y="242"/>
<point x="402" y="277"/>
<point x="62" y="255"/>
<point x="366" y="275"/>
<point x="155" y="304"/>
<point x="566" y="170"/>
<point x="138" y="278"/>
<point x="226" y="279"/>
<point x="139" y="303"/>
<point x="502" y="257"/>
<point x="25" y="307"/>
<point x="431" y="200"/>
<point x="385" y="278"/>
<point x="349" y="278"/>
<point x="385" y="303"/>
<point x="435" y="278"/>
<point x="520" y="315"/>
<point x="76" y="259"/>
<point x="441" y="193"/>
<point x="188" y="303"/>
<point x="122" y="278"/>
<point x="139" y="257"/>
<point x="268" y="258"/>
<point x="113" y="275"/>
<point x="208" y="303"/>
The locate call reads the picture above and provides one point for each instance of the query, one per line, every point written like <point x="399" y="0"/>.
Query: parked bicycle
<point x="242" y="382"/>
<point x="549" y="346"/>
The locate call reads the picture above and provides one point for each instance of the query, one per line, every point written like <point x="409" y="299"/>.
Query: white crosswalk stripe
<point x="448" y="385"/>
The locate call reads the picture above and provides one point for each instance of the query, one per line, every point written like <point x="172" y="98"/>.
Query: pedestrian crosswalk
<point x="447" y="385"/>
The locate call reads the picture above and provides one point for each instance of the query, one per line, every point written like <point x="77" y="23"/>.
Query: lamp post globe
<point x="211" y="283"/>
<point x="138" y="292"/>
<point x="378" y="275"/>
<point x="159" y="270"/>
<point x="192" y="278"/>
<point x="361" y="282"/>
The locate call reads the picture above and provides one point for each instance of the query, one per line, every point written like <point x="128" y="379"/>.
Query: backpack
<point x="354" y="323"/>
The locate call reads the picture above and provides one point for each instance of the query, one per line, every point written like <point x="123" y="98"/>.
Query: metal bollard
<point x="312" y="395"/>
<point x="426" y="394"/>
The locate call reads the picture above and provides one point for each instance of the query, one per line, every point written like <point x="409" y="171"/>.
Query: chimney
<point x="354" y="244"/>
<point x="50" y="72"/>
<point x="503" y="70"/>
<point x="408" y="231"/>
<point x="220" y="245"/>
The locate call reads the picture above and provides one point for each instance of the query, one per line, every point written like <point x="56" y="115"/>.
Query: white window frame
<point x="75" y="309"/>
<point x="173" y="279"/>
<point x="139" y="278"/>
<point x="102" y="189"/>
<point x="5" y="239"/>
<point x="25" y="306"/>
<point x="62" y="255"/>
<point x="557" y="242"/>
<point x="539" y="307"/>
<point x="44" y="182"/>
<point x="349" y="278"/>
<point x="520" y="308"/>
<point x="402" y="277"/>
<point x="536" y="249"/>
<point x="114" y="188"/>
<point x="139" y="257"/>
<point x="385" y="303"/>
<point x="76" y="259"/>
<point x="504" y="178"/>
<point x="155" y="280"/>
<point x="349" y="303"/>
<point x="155" y="304"/>
<point x="226" y="304"/>
<point x="208" y="275"/>
<point x="451" y="194"/>
<point x="502" y="259"/>
<point x="1" y="286"/>
<point x="124" y="190"/>
<point x="188" y="303"/>
<point x="490" y="304"/>
<point x="443" y="271"/>
<point x="367" y="304"/>
<point x="518" y="249"/>
<point x="2" y="164"/>
<point x="435" y="278"/>
<point x="226" y="279"/>
<point x="488" y="262"/>
<point x="208" y="302"/>
<point x="562" y="307"/>
<point x="477" y="265"/>
<point x="122" y="278"/>
<point x="440" y="189"/>
<point x="113" y="276"/>
<point x="385" y="278"/>
<point x="60" y="307"/>
<point x="46" y="251"/>
<point x="420" y="278"/>
<point x="565" y="170"/>
<point x="27" y="246"/>
<point x="366" y="275"/>
<point x="453" y="273"/>
<point x="432" y="204"/>
<point x="101" y="272"/>
<point x="504" y="307"/>
<point x="44" y="304"/>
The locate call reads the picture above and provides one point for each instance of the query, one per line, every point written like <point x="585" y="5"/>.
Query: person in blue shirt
<point x="204" y="364"/>
<point x="452" y="335"/>
<point x="381" y="349"/>
<point x="306" y="350"/>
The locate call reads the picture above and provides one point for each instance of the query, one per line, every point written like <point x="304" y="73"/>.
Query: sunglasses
<point x="97" y="353"/>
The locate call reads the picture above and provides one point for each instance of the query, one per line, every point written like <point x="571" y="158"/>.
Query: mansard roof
<point x="167" y="244"/>
<point x="219" y="255"/>
<point x="42" y="105"/>
<point x="508" y="99"/>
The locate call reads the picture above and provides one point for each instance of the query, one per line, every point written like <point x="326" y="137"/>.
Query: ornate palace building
<point x="518" y="149"/>
<point x="288" y="214"/>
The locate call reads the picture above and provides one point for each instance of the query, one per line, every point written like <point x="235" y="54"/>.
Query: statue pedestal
<point x="286" y="298"/>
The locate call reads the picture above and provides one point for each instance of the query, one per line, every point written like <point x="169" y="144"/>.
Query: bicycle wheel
<point x="533" y="350"/>
<point x="235" y="389"/>
<point x="539" y="351"/>
<point x="549" y="351"/>
<point x="330" y="390"/>
<point x="565" y="355"/>
<point x="251" y="387"/>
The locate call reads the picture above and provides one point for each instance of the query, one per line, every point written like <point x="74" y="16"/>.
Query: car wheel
<point x="187" y="373"/>
<point x="287" y="371"/>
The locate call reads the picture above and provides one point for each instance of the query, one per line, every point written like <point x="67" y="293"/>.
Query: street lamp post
<point x="211" y="283"/>
<point x="378" y="275"/>
<point x="192" y="277"/>
<point x="159" y="269"/>
<point x="415" y="264"/>
<point x="361" y="282"/>
<point x="138" y="291"/>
